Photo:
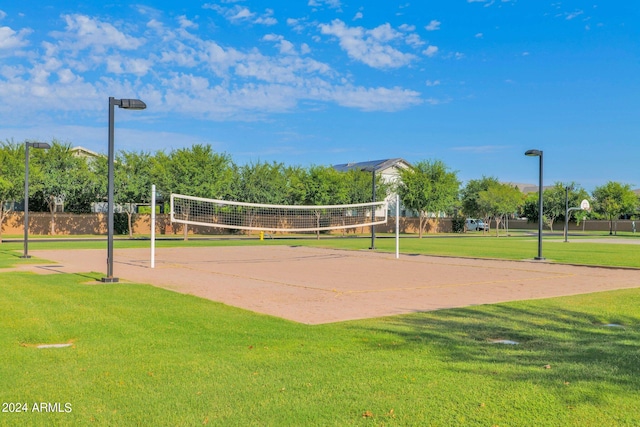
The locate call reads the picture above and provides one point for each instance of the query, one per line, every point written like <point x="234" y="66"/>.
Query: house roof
<point x="84" y="152"/>
<point x="528" y="188"/>
<point x="375" y="165"/>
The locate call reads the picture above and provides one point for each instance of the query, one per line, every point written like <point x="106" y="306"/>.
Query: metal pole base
<point x="540" y="258"/>
<point x="109" y="280"/>
<point x="25" y="256"/>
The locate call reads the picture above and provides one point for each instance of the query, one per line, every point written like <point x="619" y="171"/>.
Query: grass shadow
<point x="569" y="344"/>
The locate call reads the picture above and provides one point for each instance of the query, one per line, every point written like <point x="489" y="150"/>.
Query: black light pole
<point x="27" y="144"/>
<point x="538" y="153"/>
<point x="129" y="104"/>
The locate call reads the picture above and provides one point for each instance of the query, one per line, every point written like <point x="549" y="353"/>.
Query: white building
<point x="388" y="169"/>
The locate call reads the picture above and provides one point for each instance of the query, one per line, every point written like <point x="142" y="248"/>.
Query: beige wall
<point x="589" y="225"/>
<point x="96" y="224"/>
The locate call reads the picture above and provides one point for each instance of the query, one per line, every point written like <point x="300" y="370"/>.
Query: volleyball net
<point x="276" y="218"/>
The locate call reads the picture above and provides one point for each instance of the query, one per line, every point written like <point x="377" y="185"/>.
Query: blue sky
<point x="474" y="83"/>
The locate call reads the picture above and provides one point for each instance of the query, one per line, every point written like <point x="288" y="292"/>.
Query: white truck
<point x="476" y="225"/>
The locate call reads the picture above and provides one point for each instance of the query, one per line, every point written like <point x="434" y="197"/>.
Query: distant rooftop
<point x="375" y="165"/>
<point x="528" y="188"/>
<point x="84" y="152"/>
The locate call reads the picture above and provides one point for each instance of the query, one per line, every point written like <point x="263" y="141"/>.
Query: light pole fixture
<point x="27" y="144"/>
<point x="128" y="104"/>
<point x="538" y="153"/>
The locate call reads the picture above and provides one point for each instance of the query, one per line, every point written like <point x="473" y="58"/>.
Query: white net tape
<point x="293" y="218"/>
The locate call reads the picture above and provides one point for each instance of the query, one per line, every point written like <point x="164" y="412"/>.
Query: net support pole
<point x="153" y="226"/>
<point x="373" y="209"/>
<point x="397" y="226"/>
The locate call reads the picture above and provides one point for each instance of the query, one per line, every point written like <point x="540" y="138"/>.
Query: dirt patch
<point x="311" y="285"/>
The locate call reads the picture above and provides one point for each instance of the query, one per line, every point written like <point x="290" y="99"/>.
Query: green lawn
<point x="147" y="356"/>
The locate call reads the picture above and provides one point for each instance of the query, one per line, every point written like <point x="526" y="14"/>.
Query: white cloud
<point x="481" y="149"/>
<point x="267" y="18"/>
<point x="239" y="14"/>
<point x="430" y="50"/>
<point x="414" y="40"/>
<point x="10" y="39"/>
<point x="84" y="32"/>
<point x="333" y="4"/>
<point x="370" y="47"/>
<point x="186" y="23"/>
<point x="137" y="66"/>
<point x="571" y="15"/>
<point x="431" y="83"/>
<point x="180" y="54"/>
<point x="375" y="99"/>
<point x="357" y="16"/>
<point x="434" y="25"/>
<point x="298" y="25"/>
<point x="3" y="14"/>
<point x="479" y="35"/>
<point x="175" y="70"/>
<point x="272" y="37"/>
<point x="487" y="3"/>
<point x="285" y="46"/>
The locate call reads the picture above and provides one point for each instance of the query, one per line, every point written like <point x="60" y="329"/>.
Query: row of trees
<point x="428" y="189"/>
<point x="58" y="175"/>
<point x="431" y="188"/>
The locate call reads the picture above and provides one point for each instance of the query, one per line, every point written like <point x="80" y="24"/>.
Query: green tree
<point x="62" y="178"/>
<point x="498" y="201"/>
<point x="428" y="187"/>
<point x="324" y="186"/>
<point x="295" y="178"/>
<point x="359" y="184"/>
<point x="530" y="206"/>
<point x="11" y="177"/>
<point x="92" y="185"/>
<point x="260" y="183"/>
<point x="554" y="201"/>
<point x="614" y="199"/>
<point x="132" y="182"/>
<point x="196" y="171"/>
<point x="470" y="198"/>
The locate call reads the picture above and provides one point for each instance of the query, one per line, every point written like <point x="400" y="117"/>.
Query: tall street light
<point x="27" y="144"/>
<point x="538" y="153"/>
<point x="128" y="104"/>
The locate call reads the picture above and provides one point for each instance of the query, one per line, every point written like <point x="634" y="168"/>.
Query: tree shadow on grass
<point x="568" y="345"/>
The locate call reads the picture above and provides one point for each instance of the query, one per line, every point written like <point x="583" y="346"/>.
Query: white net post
<point x="153" y="226"/>
<point x="397" y="226"/>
